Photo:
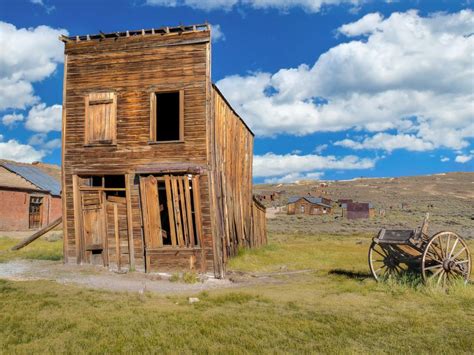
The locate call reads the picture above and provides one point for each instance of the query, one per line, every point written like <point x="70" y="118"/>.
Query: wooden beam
<point x="76" y="195"/>
<point x="38" y="234"/>
<point x="63" y="170"/>
<point x="128" y="196"/>
<point x="189" y="210"/>
<point x="117" y="236"/>
<point x="169" y="203"/>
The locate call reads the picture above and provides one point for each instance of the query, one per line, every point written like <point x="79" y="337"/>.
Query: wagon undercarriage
<point x="442" y="259"/>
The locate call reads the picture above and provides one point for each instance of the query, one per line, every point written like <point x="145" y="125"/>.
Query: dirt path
<point x="99" y="278"/>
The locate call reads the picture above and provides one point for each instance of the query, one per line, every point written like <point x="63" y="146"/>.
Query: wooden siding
<point x="216" y="149"/>
<point x="233" y="152"/>
<point x="132" y="68"/>
<point x="309" y="208"/>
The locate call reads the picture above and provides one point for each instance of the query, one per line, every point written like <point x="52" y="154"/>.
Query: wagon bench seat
<point x="394" y="236"/>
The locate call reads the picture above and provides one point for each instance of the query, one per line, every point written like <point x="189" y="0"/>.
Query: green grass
<point x="333" y="308"/>
<point x="39" y="250"/>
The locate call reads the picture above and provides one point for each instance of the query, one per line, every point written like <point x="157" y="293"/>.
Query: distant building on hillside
<point x="268" y="196"/>
<point x="30" y="195"/>
<point x="343" y="201"/>
<point x="309" y="205"/>
<point x="355" y="210"/>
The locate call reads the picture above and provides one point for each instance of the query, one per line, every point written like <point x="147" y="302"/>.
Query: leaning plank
<point x="38" y="234"/>
<point x="170" y="209"/>
<point x="183" y="211"/>
<point x="188" y="210"/>
<point x="177" y="211"/>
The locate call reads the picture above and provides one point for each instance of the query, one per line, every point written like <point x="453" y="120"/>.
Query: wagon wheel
<point x="446" y="259"/>
<point x="384" y="263"/>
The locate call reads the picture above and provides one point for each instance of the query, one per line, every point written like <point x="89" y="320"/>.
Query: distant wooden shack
<point x="356" y="210"/>
<point x="343" y="201"/>
<point x="308" y="205"/>
<point x="29" y="196"/>
<point x="157" y="166"/>
<point x="268" y="196"/>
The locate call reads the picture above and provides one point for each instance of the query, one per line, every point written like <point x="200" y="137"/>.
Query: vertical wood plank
<point x="151" y="212"/>
<point x="189" y="210"/>
<point x="63" y="170"/>
<point x="177" y="212"/>
<point x="169" y="203"/>
<point x="183" y="210"/>
<point x="77" y="219"/>
<point x="128" y="192"/>
<point x="181" y="115"/>
<point x="152" y="116"/>
<point x="117" y="236"/>
<point x="198" y="219"/>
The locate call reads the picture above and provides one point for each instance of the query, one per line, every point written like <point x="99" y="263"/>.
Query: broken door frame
<point x="78" y="221"/>
<point x="185" y="226"/>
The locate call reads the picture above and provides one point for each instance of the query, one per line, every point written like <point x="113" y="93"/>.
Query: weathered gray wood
<point x="38" y="234"/>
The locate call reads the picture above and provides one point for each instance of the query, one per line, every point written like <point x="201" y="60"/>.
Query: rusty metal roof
<point x="36" y="176"/>
<point x="313" y="200"/>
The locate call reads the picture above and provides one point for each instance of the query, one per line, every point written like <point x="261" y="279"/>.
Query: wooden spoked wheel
<point x="385" y="262"/>
<point x="446" y="259"/>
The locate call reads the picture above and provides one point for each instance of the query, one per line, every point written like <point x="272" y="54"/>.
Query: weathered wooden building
<point x="29" y="196"/>
<point x="356" y="210"/>
<point x="309" y="205"/>
<point x="157" y="166"/>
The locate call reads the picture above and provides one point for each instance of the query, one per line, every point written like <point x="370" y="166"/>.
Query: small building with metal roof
<point x="30" y="195"/>
<point x="309" y="205"/>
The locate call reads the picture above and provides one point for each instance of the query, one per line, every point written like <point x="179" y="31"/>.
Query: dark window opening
<point x="114" y="181"/>
<point x="115" y="193"/>
<point x="167" y="117"/>
<point x="96" y="181"/>
<point x="164" y="214"/>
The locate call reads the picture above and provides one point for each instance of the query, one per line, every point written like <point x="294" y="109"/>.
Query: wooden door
<point x="35" y="210"/>
<point x="93" y="227"/>
<point x="118" y="249"/>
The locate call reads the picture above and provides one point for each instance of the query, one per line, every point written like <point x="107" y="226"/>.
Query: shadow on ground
<point x="357" y="275"/>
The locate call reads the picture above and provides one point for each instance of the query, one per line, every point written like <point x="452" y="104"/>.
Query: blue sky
<point x="333" y="89"/>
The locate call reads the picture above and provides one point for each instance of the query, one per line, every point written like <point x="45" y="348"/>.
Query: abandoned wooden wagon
<point x="157" y="166"/>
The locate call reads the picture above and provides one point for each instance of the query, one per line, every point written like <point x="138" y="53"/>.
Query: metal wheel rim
<point x="446" y="259"/>
<point x="382" y="268"/>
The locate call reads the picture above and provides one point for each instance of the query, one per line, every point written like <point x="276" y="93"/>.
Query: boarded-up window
<point x="101" y="112"/>
<point x="171" y="211"/>
<point x="167" y="116"/>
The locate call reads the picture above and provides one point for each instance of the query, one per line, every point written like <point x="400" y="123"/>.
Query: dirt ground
<point x="99" y="278"/>
<point x="400" y="203"/>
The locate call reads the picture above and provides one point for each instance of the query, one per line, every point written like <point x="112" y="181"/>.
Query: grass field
<point x="334" y="307"/>
<point x="39" y="250"/>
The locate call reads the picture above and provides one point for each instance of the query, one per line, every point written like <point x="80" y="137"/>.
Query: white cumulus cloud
<point x="388" y="142"/>
<point x="13" y="150"/>
<point x="409" y="73"/>
<point x="463" y="158"/>
<point x="42" y="118"/>
<point x="276" y="165"/>
<point x="11" y="119"/>
<point x="27" y="55"/>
